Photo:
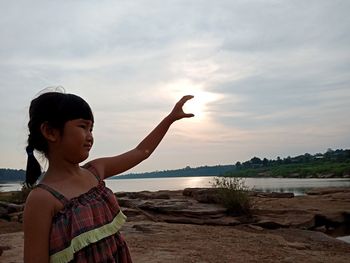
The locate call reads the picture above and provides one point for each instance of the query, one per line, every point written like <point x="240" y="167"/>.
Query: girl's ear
<point x="50" y="134"/>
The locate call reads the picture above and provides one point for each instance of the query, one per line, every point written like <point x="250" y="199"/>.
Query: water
<point x="296" y="186"/>
<point x="6" y="187"/>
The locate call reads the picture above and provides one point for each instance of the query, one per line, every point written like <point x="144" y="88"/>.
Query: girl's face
<point x="76" y="140"/>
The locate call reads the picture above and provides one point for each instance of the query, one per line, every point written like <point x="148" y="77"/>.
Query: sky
<point x="270" y="78"/>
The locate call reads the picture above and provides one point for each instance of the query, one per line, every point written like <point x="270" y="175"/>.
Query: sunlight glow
<point x="199" y="105"/>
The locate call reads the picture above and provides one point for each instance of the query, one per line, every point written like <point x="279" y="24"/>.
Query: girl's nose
<point x="90" y="138"/>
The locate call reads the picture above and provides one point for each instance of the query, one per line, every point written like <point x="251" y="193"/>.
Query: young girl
<point x="70" y="216"/>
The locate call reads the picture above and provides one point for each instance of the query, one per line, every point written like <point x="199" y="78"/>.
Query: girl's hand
<point x="177" y="113"/>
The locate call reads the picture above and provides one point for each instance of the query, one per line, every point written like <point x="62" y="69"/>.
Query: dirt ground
<point x="161" y="242"/>
<point x="172" y="243"/>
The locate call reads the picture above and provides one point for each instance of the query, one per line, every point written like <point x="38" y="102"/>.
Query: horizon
<point x="269" y="79"/>
<point x="227" y="164"/>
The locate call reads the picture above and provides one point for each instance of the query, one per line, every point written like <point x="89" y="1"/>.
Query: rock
<point x="11" y="208"/>
<point x="179" y="207"/>
<point x="272" y="194"/>
<point x="203" y="195"/>
<point x="321" y="228"/>
<point x="330" y="175"/>
<point x="255" y="227"/>
<point x="345" y="239"/>
<point x="11" y="212"/>
<point x="275" y="217"/>
<point x="145" y="228"/>
<point x="224" y="221"/>
<point x="329" y="219"/>
<point x="328" y="190"/>
<point x="298" y="245"/>
<point x="269" y="224"/>
<point x="3" y="212"/>
<point x="2" y="248"/>
<point x="163" y="194"/>
<point x="190" y="191"/>
<point x="131" y="212"/>
<point x="329" y="211"/>
<point x="16" y="217"/>
<point x="210" y="195"/>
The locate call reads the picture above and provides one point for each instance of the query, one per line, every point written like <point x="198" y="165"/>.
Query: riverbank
<point x="185" y="226"/>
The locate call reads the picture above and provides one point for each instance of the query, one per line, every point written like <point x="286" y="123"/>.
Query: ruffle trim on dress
<point x="85" y="239"/>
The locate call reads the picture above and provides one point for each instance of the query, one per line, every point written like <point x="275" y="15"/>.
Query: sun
<point x="199" y="105"/>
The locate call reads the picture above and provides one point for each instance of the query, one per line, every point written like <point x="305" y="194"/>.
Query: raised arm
<point x="110" y="166"/>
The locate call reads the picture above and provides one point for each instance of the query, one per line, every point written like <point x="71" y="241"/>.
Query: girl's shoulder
<point x="38" y="195"/>
<point x="94" y="168"/>
<point x="41" y="201"/>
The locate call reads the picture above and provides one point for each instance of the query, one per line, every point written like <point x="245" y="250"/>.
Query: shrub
<point x="233" y="194"/>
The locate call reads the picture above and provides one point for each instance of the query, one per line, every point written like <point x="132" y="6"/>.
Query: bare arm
<point x="38" y="214"/>
<point x="110" y="166"/>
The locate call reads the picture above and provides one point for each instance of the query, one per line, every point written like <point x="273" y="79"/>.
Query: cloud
<point x="277" y="73"/>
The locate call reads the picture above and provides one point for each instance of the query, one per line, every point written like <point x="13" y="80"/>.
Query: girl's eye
<point x="82" y="126"/>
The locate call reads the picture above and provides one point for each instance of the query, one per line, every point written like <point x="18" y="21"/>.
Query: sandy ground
<point x="154" y="242"/>
<point x="169" y="243"/>
<point x="161" y="242"/>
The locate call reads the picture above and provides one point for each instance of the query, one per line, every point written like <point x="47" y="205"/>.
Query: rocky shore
<point x="190" y="226"/>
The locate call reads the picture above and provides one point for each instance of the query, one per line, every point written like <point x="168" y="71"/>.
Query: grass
<point x="233" y="194"/>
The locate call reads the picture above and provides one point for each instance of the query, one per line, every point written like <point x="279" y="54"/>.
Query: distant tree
<point x="265" y="162"/>
<point x="256" y="160"/>
<point x="347" y="154"/>
<point x="279" y="160"/>
<point x="287" y="160"/>
<point x="328" y="154"/>
<point x="238" y="165"/>
<point x="246" y="164"/>
<point x="307" y="157"/>
<point x="12" y="175"/>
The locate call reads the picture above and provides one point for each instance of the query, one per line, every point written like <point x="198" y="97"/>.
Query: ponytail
<point x="33" y="170"/>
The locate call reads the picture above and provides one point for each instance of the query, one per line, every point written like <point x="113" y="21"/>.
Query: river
<point x="296" y="186"/>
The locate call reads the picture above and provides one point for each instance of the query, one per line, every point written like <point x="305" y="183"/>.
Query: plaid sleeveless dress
<point x="87" y="228"/>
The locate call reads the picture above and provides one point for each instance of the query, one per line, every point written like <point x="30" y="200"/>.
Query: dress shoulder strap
<point x="93" y="170"/>
<point x="55" y="193"/>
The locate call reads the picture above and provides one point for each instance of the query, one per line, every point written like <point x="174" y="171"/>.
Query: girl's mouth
<point x="88" y="146"/>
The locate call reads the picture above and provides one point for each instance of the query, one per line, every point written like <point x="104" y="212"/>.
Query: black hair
<point x="55" y="109"/>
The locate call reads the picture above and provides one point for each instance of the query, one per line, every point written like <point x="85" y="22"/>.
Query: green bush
<point x="233" y="194"/>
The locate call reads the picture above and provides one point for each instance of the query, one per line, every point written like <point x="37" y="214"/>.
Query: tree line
<point x="184" y="172"/>
<point x="330" y="155"/>
<point x="332" y="163"/>
<point x="12" y="175"/>
<point x="336" y="162"/>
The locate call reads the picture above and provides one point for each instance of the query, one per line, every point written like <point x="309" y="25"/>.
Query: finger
<point x="188" y="115"/>
<point x="184" y="99"/>
<point x="187" y="97"/>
